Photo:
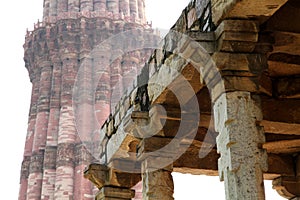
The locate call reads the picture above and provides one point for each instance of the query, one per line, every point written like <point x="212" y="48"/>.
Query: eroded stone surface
<point x="242" y="162"/>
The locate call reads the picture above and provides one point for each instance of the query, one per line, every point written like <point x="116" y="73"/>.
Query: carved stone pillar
<point x="242" y="162"/>
<point x="157" y="184"/>
<point x="157" y="167"/>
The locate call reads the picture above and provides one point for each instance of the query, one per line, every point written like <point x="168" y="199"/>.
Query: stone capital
<point x="103" y="176"/>
<point x="289" y="186"/>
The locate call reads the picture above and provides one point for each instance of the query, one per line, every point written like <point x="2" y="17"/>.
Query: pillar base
<point x="115" y="193"/>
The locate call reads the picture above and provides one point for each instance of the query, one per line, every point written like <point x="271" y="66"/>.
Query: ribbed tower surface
<point x="54" y="155"/>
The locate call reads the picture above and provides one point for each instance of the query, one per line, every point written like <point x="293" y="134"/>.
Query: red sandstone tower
<point x="54" y="156"/>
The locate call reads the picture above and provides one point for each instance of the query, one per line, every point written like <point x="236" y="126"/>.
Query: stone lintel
<point x="259" y="9"/>
<point x="237" y="35"/>
<point x="159" y="151"/>
<point x="139" y="115"/>
<point x="126" y="165"/>
<point x="190" y="161"/>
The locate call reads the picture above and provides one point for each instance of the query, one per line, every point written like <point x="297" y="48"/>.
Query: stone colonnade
<point x="239" y="51"/>
<point x="236" y="115"/>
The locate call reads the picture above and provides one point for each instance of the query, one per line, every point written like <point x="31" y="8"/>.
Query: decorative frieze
<point x="36" y="162"/>
<point x="50" y="157"/>
<point x="25" y="167"/>
<point x="82" y="154"/>
<point x="65" y="155"/>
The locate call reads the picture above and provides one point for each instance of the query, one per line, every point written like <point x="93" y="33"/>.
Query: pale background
<point x="16" y="16"/>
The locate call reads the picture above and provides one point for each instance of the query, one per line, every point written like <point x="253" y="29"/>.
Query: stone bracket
<point x="102" y="176"/>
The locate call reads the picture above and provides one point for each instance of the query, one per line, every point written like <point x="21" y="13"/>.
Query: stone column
<point x="157" y="167"/>
<point x="64" y="183"/>
<point x="157" y="183"/>
<point x="82" y="187"/>
<point x="43" y="108"/>
<point x="242" y="162"/>
<point x="34" y="77"/>
<point x="84" y="124"/>
<point x="40" y="136"/>
<point x="49" y="173"/>
<point x="52" y="134"/>
<point x="24" y="178"/>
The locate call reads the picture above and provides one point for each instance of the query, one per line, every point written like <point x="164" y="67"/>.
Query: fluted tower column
<point x="29" y="138"/>
<point x="60" y="142"/>
<point x="40" y="136"/>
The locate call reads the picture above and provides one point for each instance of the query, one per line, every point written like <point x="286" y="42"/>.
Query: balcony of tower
<point x="123" y="11"/>
<point x="126" y="10"/>
<point x="72" y="17"/>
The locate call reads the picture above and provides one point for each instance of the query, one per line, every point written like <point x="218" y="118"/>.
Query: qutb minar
<point x="54" y="156"/>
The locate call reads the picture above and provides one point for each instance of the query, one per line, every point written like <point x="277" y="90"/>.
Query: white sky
<point x="16" y="16"/>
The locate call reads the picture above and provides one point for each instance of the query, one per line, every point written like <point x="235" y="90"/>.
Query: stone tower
<point x="54" y="156"/>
